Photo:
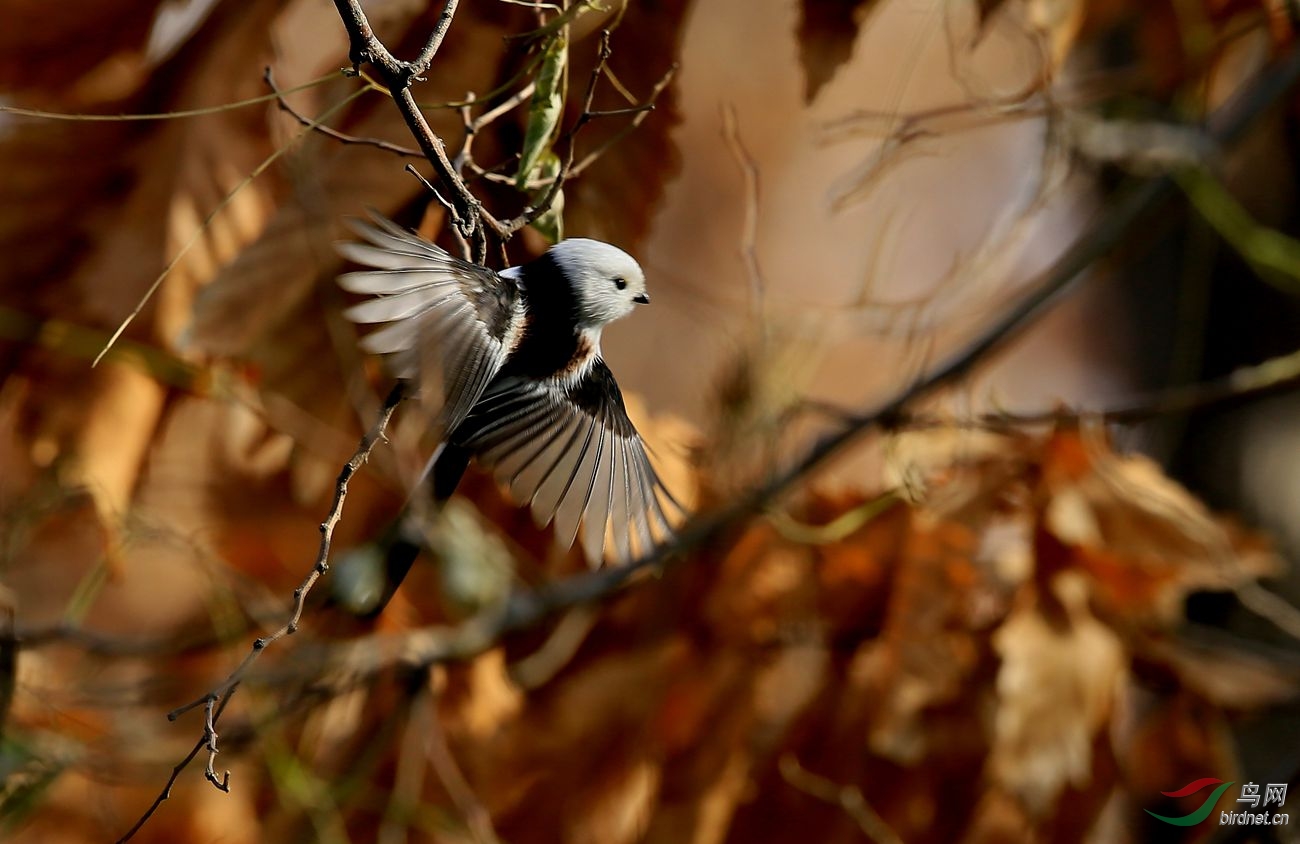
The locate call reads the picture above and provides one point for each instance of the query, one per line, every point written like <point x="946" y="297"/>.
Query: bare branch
<point x="639" y="116"/>
<point x="104" y="645"/>
<point x="341" y="137"/>
<point x="425" y="58"/>
<point x="167" y="787"/>
<point x="438" y="752"/>
<point x="397" y="75"/>
<point x="1268" y="376"/>
<point x="475" y="125"/>
<point x="847" y="797"/>
<point x="223" y="691"/>
<point x="210" y="743"/>
<point x="164" y="794"/>
<point x="749" y="229"/>
<point x="640" y="113"/>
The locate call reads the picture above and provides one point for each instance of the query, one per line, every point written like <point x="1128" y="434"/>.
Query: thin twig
<point x="165" y="793"/>
<point x="837" y="530"/>
<point x="203" y="227"/>
<point x="1270" y="376"/>
<point x="1271" y="607"/>
<point x="749" y="229"/>
<point x="408" y="775"/>
<point x="425" y="58"/>
<point x="466" y="146"/>
<point x="103" y="645"/>
<point x="179" y="114"/>
<point x="366" y="48"/>
<point x="210" y="743"/>
<point x="477" y="818"/>
<point x="341" y="137"/>
<point x="539" y="667"/>
<point x="554" y="24"/>
<point x="216" y="699"/>
<point x="639" y="116"/>
<point x="167" y="787"/>
<point x="452" y="214"/>
<point x="473" y="126"/>
<point x="848" y="797"/>
<point x="509" y="103"/>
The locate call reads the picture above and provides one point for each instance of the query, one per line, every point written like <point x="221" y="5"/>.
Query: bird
<point x="510" y="364"/>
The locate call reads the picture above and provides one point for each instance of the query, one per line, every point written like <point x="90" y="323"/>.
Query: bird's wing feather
<point x="571" y="453"/>
<point x="444" y="322"/>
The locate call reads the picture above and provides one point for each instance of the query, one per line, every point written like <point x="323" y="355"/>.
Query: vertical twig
<point x="749" y="228"/>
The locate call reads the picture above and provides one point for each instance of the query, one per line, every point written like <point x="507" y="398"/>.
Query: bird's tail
<point x="368" y="577"/>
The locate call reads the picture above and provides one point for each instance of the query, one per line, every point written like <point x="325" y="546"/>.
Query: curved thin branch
<point x="341" y="137"/>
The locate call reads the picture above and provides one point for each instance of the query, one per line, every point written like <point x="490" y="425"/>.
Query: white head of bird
<point x="607" y="282"/>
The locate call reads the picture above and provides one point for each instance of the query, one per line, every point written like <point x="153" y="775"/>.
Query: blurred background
<point x="1005" y="618"/>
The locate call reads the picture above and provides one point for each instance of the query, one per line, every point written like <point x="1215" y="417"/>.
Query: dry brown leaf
<point x="929" y="650"/>
<point x="1231" y="679"/>
<point x="1058" y="686"/>
<point x="48" y="53"/>
<point x="1145" y="541"/>
<point x="827" y="32"/>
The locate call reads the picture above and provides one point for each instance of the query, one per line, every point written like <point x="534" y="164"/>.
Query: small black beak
<point x="641" y="299"/>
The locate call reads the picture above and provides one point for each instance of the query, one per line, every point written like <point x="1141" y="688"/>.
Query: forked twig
<point x="330" y="132"/>
<point x="749" y="229"/>
<point x="366" y="48"/>
<point x="167" y="788"/>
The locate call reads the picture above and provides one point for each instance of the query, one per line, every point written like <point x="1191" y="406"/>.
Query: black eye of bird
<point x="620" y="283"/>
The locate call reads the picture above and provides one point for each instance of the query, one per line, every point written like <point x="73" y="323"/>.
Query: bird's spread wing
<point x="446" y="323"/>
<point x="570" y="452"/>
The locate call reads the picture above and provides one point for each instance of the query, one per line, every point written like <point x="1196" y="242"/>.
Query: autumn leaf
<point x="827" y="32"/>
<point x="1058" y="686"/>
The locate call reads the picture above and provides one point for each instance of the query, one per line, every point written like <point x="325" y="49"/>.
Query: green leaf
<point x="545" y="108"/>
<point x="550" y="224"/>
<point x="1273" y="255"/>
<point x="25" y="778"/>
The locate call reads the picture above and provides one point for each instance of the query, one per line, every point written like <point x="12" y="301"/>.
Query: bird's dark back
<point x="551" y="343"/>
